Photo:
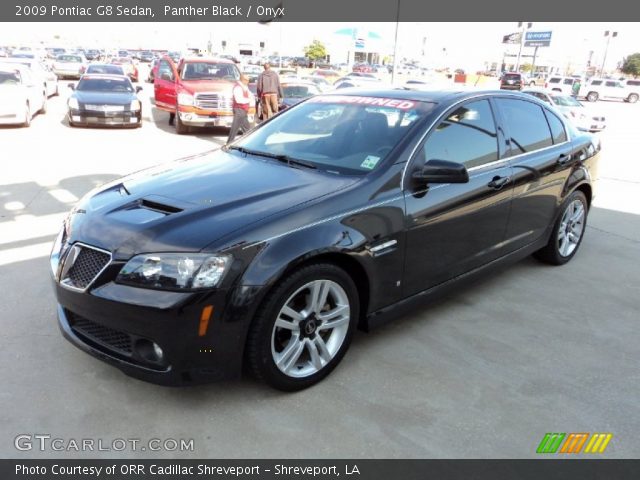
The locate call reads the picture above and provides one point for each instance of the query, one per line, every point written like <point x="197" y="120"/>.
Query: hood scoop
<point x="148" y="209"/>
<point x="159" y="207"/>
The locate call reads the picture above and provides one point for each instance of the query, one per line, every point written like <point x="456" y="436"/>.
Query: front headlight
<point x="175" y="271"/>
<point x="185" y="99"/>
<point x="135" y="105"/>
<point x="73" y="103"/>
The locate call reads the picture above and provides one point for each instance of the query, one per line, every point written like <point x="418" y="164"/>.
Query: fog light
<point x="149" y="350"/>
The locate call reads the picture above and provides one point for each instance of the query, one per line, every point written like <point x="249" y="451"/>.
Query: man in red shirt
<point x="242" y="98"/>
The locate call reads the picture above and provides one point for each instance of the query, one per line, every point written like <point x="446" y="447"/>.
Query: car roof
<point x="425" y="95"/>
<point x="103" y="65"/>
<point x="207" y="59"/>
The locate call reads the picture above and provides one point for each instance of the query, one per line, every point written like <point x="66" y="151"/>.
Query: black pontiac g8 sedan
<point x="330" y="216"/>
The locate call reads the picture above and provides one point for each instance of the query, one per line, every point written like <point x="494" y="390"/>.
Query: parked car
<point x="153" y="68"/>
<point x="561" y="84"/>
<point x="326" y="218"/>
<point x="330" y="75"/>
<point x="582" y="117"/>
<point x="322" y="83"/>
<point x="22" y="95"/>
<point x="69" y="65"/>
<point x="129" y="67"/>
<point x="362" y="68"/>
<point x="512" y="81"/>
<point x="294" y="91"/>
<point x="104" y="100"/>
<point x="146" y="56"/>
<point x="92" y="54"/>
<point x="105" y="69"/>
<point x="606" y="89"/>
<point x="350" y="82"/>
<point x="41" y="73"/>
<point x="196" y="92"/>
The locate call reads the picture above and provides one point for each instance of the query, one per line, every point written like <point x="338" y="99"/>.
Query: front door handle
<point x="498" y="182"/>
<point x="564" y="159"/>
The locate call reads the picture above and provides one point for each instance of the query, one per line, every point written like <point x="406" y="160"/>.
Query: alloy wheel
<point x="310" y="328"/>
<point x="571" y="228"/>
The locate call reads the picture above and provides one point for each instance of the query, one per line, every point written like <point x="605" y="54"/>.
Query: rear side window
<point x="596" y="82"/>
<point x="557" y="128"/>
<point x="633" y="83"/>
<point x="554" y="80"/>
<point x="568" y="81"/>
<point x="611" y="84"/>
<point x="526" y="124"/>
<point x="467" y="136"/>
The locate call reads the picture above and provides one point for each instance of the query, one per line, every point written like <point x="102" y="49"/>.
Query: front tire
<point x="304" y="327"/>
<point x="593" y="96"/>
<point x="633" y="98"/>
<point x="568" y="231"/>
<point x="181" y="128"/>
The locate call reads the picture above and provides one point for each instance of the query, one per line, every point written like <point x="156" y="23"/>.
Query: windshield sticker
<point x="374" y="101"/>
<point x="370" y="162"/>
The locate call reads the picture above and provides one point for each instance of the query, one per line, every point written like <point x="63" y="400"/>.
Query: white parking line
<point x="62" y="195"/>
<point x="20" y="254"/>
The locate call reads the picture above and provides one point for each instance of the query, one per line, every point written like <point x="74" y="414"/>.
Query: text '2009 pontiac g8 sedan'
<point x="270" y="252"/>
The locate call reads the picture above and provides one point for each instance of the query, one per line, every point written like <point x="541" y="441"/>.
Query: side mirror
<point x="139" y="89"/>
<point x="441" y="171"/>
<point x="72" y="86"/>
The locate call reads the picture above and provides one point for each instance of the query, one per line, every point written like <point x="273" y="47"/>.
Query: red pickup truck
<point x="196" y="92"/>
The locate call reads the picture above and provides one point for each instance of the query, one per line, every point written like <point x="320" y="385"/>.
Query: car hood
<point x="197" y="86"/>
<point x="104" y="98"/>
<point x="188" y="204"/>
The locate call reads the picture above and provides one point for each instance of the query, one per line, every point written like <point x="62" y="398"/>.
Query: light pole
<point x="606" y="48"/>
<point x="522" y="35"/>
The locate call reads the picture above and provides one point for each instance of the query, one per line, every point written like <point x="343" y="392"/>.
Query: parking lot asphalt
<point x="484" y="373"/>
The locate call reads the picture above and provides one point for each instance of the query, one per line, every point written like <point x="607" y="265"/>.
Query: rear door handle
<point x="498" y="182"/>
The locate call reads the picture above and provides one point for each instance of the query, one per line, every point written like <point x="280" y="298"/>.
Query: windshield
<point x="210" y="70"/>
<point x="105" y="69"/>
<point x="565" y="101"/>
<point x="299" y="91"/>
<point x="343" y="134"/>
<point x="69" y="58"/>
<point x="115" y="85"/>
<point x="9" y="78"/>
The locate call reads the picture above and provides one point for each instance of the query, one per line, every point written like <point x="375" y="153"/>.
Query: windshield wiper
<point x="280" y="157"/>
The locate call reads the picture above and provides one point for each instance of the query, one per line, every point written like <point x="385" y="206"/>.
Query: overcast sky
<point x="463" y="41"/>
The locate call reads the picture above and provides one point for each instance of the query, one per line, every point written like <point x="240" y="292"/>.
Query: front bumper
<point x="89" y="117"/>
<point x="107" y="323"/>
<point x="7" y="118"/>
<point x="193" y="119"/>
<point x="67" y="73"/>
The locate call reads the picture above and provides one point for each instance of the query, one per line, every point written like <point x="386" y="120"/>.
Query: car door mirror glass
<point x="441" y="171"/>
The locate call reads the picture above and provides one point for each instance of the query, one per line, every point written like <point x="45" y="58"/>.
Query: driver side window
<point x="467" y="135"/>
<point x="165" y="71"/>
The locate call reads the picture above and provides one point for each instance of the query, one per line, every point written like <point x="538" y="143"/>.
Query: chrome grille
<point x="213" y="101"/>
<point x="82" y="265"/>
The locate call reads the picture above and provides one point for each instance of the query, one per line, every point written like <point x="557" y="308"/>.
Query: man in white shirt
<point x="242" y="99"/>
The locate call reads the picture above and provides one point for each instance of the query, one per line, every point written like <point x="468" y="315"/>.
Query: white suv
<point x="560" y="84"/>
<point x="632" y="86"/>
<point x="607" y="89"/>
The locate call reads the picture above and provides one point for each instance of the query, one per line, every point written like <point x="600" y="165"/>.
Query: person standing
<point x="241" y="100"/>
<point x="269" y="91"/>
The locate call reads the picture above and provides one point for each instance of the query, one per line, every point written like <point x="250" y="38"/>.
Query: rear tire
<point x="568" y="231"/>
<point x="593" y="96"/>
<point x="633" y="98"/>
<point x="295" y="341"/>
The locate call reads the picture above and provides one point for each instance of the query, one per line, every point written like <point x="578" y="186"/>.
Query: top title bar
<point x="309" y="11"/>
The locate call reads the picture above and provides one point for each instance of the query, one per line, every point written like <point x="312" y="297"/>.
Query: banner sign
<point x="537" y="39"/>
